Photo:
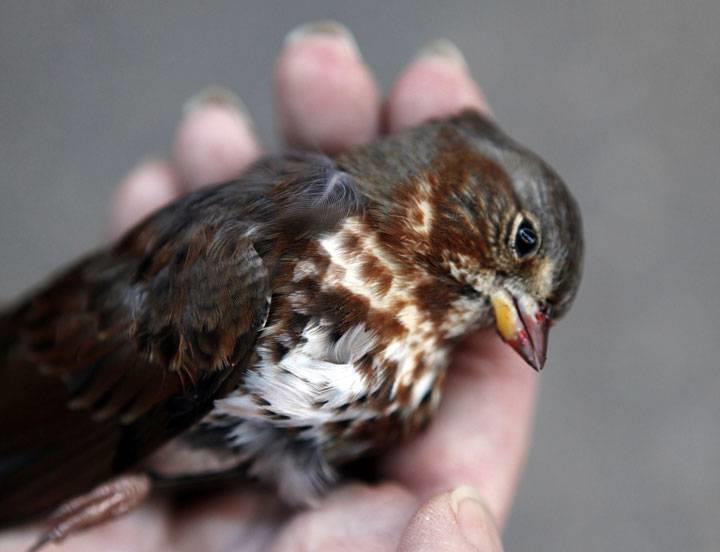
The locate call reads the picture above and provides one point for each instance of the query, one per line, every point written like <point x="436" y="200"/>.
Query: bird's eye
<point x="526" y="240"/>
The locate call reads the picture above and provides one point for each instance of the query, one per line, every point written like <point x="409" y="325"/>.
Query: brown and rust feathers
<point x="119" y="354"/>
<point x="305" y="312"/>
<point x="129" y="347"/>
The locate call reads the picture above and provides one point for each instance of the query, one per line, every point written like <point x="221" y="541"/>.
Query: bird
<point x="282" y="325"/>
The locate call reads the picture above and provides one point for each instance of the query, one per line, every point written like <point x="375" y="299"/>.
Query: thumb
<point x="458" y="521"/>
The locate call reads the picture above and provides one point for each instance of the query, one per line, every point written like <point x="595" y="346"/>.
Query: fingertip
<point x="457" y="520"/>
<point x="326" y="96"/>
<point x="435" y="84"/>
<point x="148" y="187"/>
<point x="215" y="140"/>
<point x="474" y="519"/>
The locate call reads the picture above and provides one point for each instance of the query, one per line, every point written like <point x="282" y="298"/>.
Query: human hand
<point x="448" y="489"/>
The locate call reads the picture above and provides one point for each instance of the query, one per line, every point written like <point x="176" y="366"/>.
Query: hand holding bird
<point x="514" y="306"/>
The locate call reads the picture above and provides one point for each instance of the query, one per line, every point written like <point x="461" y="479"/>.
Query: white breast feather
<point x="318" y="371"/>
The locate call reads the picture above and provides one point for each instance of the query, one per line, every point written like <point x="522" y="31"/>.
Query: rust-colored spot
<point x="341" y="306"/>
<point x="403" y="395"/>
<point x="385" y="325"/>
<point x="417" y="217"/>
<point x="350" y="241"/>
<point x="376" y="274"/>
<point x="435" y="299"/>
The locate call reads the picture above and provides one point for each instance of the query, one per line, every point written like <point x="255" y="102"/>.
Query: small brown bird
<point x="282" y="325"/>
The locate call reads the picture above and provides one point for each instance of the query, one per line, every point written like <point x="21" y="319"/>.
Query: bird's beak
<point x="523" y="325"/>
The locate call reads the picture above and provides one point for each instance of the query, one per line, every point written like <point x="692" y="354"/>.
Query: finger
<point x="436" y="84"/>
<point x="326" y="97"/>
<point x="356" y="517"/>
<point x="239" y="520"/>
<point x="480" y="433"/>
<point x="457" y="521"/>
<point x="142" y="530"/>
<point x="148" y="187"/>
<point x="215" y="140"/>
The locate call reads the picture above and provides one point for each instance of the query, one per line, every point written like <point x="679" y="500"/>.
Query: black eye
<point x="469" y="291"/>
<point x="526" y="240"/>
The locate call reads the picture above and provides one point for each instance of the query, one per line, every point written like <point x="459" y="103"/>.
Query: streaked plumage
<point x="287" y="323"/>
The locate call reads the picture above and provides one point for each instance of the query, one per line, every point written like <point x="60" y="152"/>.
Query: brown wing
<point x="121" y="353"/>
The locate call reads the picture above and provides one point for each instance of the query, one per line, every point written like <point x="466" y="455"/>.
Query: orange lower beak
<point x="523" y="325"/>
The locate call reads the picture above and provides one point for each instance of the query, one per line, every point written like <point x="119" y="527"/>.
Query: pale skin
<point x="450" y="488"/>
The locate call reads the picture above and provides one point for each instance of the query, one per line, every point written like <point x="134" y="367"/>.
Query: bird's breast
<point x="348" y="363"/>
<point x="346" y="346"/>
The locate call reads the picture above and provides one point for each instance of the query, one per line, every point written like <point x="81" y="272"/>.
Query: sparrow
<point x="282" y="325"/>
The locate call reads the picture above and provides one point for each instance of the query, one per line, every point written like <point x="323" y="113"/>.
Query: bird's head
<point x="493" y="226"/>
<point x="524" y="233"/>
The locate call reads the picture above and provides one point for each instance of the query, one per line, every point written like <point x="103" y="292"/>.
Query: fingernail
<point x="444" y="49"/>
<point x="474" y="520"/>
<point x="328" y="28"/>
<point x="219" y="96"/>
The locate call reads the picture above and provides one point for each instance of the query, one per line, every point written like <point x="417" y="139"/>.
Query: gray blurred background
<point x="622" y="97"/>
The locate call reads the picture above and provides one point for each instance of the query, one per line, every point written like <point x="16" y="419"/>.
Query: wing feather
<point x="118" y="355"/>
<point x="129" y="347"/>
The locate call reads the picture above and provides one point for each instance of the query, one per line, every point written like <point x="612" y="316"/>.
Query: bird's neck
<point x="369" y="261"/>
